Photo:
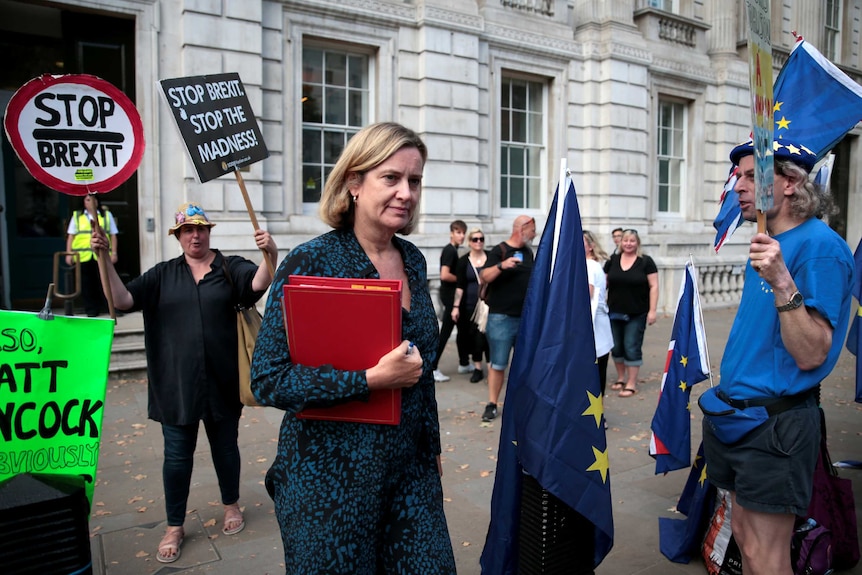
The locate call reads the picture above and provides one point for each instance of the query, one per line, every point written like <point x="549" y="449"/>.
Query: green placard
<point x="53" y="378"/>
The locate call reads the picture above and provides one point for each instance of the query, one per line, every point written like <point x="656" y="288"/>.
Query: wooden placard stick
<point x="253" y="218"/>
<point x="100" y="257"/>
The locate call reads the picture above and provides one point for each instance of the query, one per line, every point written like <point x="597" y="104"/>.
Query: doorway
<point x="51" y="40"/>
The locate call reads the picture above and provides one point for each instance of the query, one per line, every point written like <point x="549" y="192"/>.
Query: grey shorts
<point x="772" y="468"/>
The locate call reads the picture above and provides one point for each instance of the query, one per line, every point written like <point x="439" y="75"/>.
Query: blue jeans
<point x="628" y="340"/>
<point x="180" y="442"/>
<point x="502" y="334"/>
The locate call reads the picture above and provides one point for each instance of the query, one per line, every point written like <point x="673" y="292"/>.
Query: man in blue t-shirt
<point x="785" y="340"/>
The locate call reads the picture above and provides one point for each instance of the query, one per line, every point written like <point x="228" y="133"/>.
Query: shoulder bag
<point x="480" y="313"/>
<point x="248" y="321"/>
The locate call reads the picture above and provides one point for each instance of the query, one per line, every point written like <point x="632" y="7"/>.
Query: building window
<point x="522" y="143"/>
<point x="335" y="102"/>
<point x="832" y="31"/>
<point x="671" y="155"/>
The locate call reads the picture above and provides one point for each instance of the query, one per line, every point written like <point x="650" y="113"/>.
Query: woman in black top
<point x="191" y="339"/>
<point x="632" y="299"/>
<point x="471" y="341"/>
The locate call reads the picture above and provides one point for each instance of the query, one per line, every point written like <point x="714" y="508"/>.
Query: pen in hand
<point x="410" y="347"/>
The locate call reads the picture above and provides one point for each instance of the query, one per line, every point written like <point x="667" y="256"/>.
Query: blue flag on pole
<point x="854" y="337"/>
<point x="815" y="104"/>
<point x="552" y="423"/>
<point x="680" y="539"/>
<point x="729" y="215"/>
<point x="685" y="366"/>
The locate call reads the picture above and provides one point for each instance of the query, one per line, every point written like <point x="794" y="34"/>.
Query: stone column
<point x="721" y="16"/>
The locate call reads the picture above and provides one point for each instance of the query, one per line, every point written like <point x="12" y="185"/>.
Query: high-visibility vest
<point x="81" y="241"/>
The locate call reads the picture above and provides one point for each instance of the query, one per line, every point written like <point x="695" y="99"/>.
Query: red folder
<point x="350" y="324"/>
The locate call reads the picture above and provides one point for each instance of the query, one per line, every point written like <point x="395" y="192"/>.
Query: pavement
<point x="127" y="518"/>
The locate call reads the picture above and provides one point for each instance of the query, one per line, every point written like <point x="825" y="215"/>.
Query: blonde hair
<point x="630" y="232"/>
<point x="366" y="150"/>
<point x="472" y="233"/>
<point x="599" y="254"/>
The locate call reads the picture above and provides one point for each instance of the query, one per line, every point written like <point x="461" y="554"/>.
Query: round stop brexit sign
<point x="77" y="134"/>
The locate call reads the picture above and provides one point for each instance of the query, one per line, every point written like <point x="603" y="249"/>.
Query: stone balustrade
<point x="544" y="7"/>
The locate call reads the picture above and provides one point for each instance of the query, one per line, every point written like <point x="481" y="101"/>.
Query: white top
<point x="599" y="307"/>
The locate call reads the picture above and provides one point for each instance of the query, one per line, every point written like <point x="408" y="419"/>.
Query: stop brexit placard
<point x="216" y="123"/>
<point x="77" y="134"/>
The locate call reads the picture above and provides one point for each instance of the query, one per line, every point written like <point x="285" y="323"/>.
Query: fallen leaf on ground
<point x="210" y="523"/>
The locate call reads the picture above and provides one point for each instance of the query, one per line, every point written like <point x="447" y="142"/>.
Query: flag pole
<point x="562" y="190"/>
<point x="700" y="313"/>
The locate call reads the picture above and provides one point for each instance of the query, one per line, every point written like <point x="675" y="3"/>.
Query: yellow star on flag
<point x="684" y="361"/>
<point x="601" y="464"/>
<point x="793" y="149"/>
<point x="595" y="409"/>
<point x="777" y="107"/>
<point x="702" y="476"/>
<point x="783" y="123"/>
<point x="683" y="385"/>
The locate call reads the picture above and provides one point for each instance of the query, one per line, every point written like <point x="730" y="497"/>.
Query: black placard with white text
<point x="216" y="123"/>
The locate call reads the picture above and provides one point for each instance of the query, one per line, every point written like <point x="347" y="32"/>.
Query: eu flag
<point x="816" y="104"/>
<point x="552" y="423"/>
<point x="686" y="365"/>
<point x="680" y="539"/>
<point x="729" y="214"/>
<point x="854" y="337"/>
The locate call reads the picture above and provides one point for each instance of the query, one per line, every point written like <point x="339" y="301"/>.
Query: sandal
<point x="170" y="546"/>
<point x="618" y="385"/>
<point x="233" y="521"/>
<point x="628" y="392"/>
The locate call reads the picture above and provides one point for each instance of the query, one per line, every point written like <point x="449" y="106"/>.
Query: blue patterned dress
<point x="353" y="498"/>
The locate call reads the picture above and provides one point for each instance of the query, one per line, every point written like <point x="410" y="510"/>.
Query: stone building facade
<point x="643" y="98"/>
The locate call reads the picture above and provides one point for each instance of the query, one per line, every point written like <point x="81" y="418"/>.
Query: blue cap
<point x="784" y="150"/>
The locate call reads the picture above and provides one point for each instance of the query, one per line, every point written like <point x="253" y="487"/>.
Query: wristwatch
<point x="500" y="266"/>
<point x="795" y="301"/>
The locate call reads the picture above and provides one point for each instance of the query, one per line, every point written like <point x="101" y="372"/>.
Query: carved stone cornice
<point x="366" y="10"/>
<point x="537" y="42"/>
<point x="450" y="18"/>
<point x="685" y="69"/>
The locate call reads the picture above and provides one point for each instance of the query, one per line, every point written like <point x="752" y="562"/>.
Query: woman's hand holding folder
<point x="396" y="369"/>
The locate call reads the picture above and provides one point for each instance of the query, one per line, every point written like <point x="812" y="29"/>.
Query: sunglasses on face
<point x="630" y="231"/>
<point x="477" y="239"/>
